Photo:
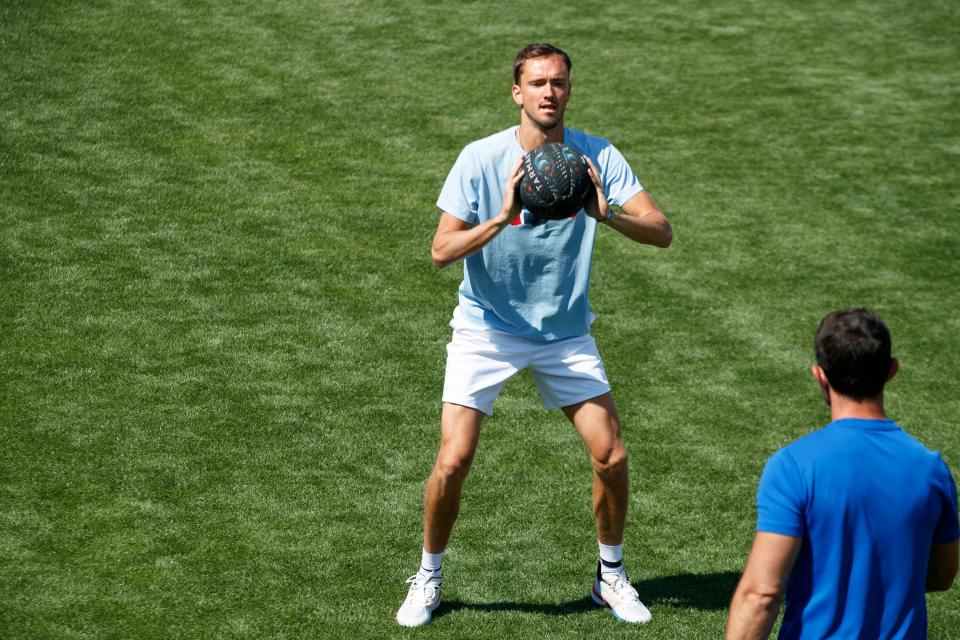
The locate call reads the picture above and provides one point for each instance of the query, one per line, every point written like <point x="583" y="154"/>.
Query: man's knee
<point x="460" y="433"/>
<point x="611" y="463"/>
<point x="453" y="466"/>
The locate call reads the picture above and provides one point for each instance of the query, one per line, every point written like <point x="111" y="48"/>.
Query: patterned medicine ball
<point x="555" y="181"/>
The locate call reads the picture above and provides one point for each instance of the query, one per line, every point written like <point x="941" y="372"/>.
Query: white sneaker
<point x="615" y="591"/>
<point x="422" y="598"/>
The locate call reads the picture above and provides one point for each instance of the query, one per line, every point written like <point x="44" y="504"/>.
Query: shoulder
<point x="943" y="478"/>
<point x="796" y="459"/>
<point x="603" y="153"/>
<point x="911" y="441"/>
<point x="919" y="454"/>
<point x="782" y="495"/>
<point x="801" y="449"/>
<point x="938" y="468"/>
<point x="493" y="153"/>
<point x="783" y="462"/>
<point x="844" y="440"/>
<point x="492" y="145"/>
<point x="586" y="142"/>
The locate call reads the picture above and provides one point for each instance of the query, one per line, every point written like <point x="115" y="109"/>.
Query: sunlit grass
<point x="222" y="338"/>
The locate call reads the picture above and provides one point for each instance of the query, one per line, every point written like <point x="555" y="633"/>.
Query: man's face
<point x="544" y="90"/>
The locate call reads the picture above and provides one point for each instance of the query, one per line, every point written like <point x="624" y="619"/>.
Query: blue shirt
<point x="868" y="500"/>
<point x="532" y="278"/>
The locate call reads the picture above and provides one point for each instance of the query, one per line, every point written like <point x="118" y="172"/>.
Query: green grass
<point x="222" y="338"/>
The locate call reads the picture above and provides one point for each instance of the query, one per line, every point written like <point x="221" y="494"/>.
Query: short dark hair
<point x="853" y="349"/>
<point x="537" y="50"/>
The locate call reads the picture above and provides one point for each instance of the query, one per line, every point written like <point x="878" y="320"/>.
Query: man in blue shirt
<point x="523" y="305"/>
<point x="856" y="521"/>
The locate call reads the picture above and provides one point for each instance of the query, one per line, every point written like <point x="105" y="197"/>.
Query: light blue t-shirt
<point x="868" y="500"/>
<point x="532" y="278"/>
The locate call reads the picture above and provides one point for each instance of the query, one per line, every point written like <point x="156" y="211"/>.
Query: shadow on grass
<point x="562" y="609"/>
<point x="703" y="591"/>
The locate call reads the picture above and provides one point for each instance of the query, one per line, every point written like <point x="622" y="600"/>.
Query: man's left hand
<point x="596" y="204"/>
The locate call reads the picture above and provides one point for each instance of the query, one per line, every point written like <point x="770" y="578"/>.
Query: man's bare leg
<point x="598" y="424"/>
<point x="459" y="435"/>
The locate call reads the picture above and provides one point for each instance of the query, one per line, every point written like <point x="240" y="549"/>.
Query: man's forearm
<point x="650" y="228"/>
<point x="751" y="616"/>
<point x="756" y="602"/>
<point x="451" y="246"/>
<point x="642" y="221"/>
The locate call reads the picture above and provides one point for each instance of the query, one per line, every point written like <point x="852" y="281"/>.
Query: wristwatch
<point x="610" y="214"/>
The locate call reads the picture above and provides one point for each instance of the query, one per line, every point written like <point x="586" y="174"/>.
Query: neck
<point x="531" y="135"/>
<point x="844" y="407"/>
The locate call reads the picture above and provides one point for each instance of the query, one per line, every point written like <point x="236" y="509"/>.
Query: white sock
<point x="430" y="563"/>
<point x="611" y="558"/>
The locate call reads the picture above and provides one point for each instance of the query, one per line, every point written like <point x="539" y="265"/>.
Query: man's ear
<point x="819" y="375"/>
<point x="517" y="95"/>
<point x="894" y="368"/>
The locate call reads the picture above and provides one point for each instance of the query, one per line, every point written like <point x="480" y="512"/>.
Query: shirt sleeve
<point x="780" y="501"/>
<point x="460" y="193"/>
<point x="620" y="183"/>
<point x="948" y="527"/>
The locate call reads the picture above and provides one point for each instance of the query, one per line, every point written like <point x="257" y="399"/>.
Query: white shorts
<point x="480" y="361"/>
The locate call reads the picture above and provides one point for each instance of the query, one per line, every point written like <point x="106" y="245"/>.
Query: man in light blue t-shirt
<point x="856" y="521"/>
<point x="523" y="304"/>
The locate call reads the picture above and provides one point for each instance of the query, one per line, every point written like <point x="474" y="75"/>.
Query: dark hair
<point x="537" y="50"/>
<point x="853" y="348"/>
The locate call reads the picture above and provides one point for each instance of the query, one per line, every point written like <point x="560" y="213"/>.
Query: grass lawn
<point x="222" y="337"/>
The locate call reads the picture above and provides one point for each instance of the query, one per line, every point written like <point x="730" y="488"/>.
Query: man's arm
<point x="942" y="567"/>
<point x="456" y="239"/>
<point x="641" y="221"/>
<point x="756" y="602"/>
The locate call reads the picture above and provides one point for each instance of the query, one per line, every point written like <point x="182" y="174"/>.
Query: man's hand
<point x="942" y="566"/>
<point x="595" y="204"/>
<point x="455" y="239"/>
<point x="511" y="199"/>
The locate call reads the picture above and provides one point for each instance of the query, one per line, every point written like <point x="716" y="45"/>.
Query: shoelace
<point x="621" y="585"/>
<point x="424" y="587"/>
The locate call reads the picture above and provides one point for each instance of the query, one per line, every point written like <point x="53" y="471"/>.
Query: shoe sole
<point x="597" y="600"/>
<point x="414" y="626"/>
<point x="425" y="622"/>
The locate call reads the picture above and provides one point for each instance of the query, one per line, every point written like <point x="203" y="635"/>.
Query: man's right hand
<point x="511" y="195"/>
<point x="456" y="239"/>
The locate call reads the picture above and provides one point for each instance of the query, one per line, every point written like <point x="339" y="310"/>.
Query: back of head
<point x="537" y="50"/>
<point x="853" y="349"/>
